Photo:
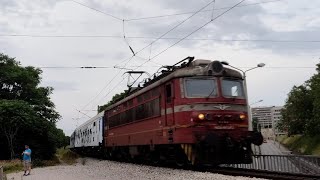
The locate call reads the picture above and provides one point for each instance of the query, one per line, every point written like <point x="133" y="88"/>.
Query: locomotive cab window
<point x="232" y="88"/>
<point x="200" y="87"/>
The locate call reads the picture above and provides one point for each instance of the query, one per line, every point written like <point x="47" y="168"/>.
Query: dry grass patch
<point x="67" y="156"/>
<point x="10" y="166"/>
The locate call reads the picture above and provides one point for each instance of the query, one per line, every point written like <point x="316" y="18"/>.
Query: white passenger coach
<point x="89" y="134"/>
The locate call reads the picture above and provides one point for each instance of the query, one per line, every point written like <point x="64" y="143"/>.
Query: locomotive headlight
<point x="201" y="116"/>
<point x="242" y="116"/>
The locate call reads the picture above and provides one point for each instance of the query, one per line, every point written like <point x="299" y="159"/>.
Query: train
<point x="194" y="112"/>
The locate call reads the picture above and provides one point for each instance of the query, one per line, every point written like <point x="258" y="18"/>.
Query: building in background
<point x="268" y="117"/>
<point x="275" y="118"/>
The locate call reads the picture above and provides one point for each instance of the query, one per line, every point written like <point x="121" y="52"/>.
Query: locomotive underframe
<point x="203" y="146"/>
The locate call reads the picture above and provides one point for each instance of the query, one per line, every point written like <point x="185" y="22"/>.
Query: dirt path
<point x="109" y="170"/>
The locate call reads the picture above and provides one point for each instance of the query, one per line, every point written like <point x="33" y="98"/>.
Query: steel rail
<point x="262" y="173"/>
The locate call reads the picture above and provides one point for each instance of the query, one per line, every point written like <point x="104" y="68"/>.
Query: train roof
<point x="197" y="67"/>
<point x="90" y="120"/>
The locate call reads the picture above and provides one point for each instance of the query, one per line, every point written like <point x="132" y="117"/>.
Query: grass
<point x="61" y="156"/>
<point x="43" y="163"/>
<point x="10" y="166"/>
<point x="302" y="144"/>
<point x="67" y="156"/>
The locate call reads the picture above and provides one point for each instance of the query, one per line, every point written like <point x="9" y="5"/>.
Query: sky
<point x="283" y="34"/>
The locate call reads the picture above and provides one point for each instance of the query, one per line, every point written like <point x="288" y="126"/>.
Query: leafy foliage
<point x="115" y="98"/>
<point x="27" y="115"/>
<point x="15" y="115"/>
<point x="301" y="113"/>
<point x="255" y="125"/>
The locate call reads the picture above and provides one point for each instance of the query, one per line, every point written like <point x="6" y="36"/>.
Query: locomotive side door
<point x="169" y="105"/>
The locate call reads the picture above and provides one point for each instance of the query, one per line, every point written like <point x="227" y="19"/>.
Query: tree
<point x="255" y="124"/>
<point x="313" y="126"/>
<point x="301" y="113"/>
<point x="15" y="114"/>
<point x="297" y="111"/>
<point x="21" y="83"/>
<point x="27" y="114"/>
<point x="114" y="99"/>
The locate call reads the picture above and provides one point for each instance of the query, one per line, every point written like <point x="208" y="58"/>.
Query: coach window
<point x="155" y="92"/>
<point x="147" y="95"/>
<point x="125" y="105"/>
<point x="168" y="93"/>
<point x="140" y="99"/>
<point x="130" y="102"/>
<point x="123" y="118"/>
<point x="140" y="113"/>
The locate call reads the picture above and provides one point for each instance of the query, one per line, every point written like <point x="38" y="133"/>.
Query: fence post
<point x="1" y="172"/>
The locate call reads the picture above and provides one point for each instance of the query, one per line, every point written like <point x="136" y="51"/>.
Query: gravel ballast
<point x="110" y="170"/>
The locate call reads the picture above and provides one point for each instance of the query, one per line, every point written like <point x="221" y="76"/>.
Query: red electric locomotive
<point x="193" y="112"/>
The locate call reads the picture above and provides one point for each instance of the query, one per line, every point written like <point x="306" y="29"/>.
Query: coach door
<point x="169" y="105"/>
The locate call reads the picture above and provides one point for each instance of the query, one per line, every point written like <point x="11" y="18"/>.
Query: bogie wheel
<point x="155" y="158"/>
<point x="181" y="163"/>
<point x="181" y="159"/>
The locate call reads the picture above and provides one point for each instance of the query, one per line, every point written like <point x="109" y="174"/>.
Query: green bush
<point x="67" y="156"/>
<point x="302" y="144"/>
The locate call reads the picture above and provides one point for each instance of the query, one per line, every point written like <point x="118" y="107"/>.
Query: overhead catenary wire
<point x="110" y="15"/>
<point x="76" y="67"/>
<point x="212" y="13"/>
<point x="141" y="50"/>
<point x="114" y="87"/>
<point x="270" y="67"/>
<point x="83" y="113"/>
<point x="115" y="17"/>
<point x="164" y="34"/>
<point x="205" y="24"/>
<point x="108" y="84"/>
<point x="95" y="97"/>
<point x="147" y="46"/>
<point x="163" y="38"/>
<point x="166" y="15"/>
<point x="185" y="13"/>
<point x="127" y="61"/>
<point x="142" y="58"/>
<point x="124" y="37"/>
<point x="150" y="51"/>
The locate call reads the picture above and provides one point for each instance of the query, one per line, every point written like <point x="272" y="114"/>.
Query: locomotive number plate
<point x="223" y="127"/>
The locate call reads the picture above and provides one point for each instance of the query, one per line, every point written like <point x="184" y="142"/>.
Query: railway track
<point x="231" y="171"/>
<point x="262" y="174"/>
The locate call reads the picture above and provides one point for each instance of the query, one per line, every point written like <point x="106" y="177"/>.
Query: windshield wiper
<point x="211" y="93"/>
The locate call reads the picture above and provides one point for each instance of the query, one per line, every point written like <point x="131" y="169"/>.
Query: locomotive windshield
<point x="200" y="87"/>
<point x="232" y="88"/>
